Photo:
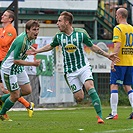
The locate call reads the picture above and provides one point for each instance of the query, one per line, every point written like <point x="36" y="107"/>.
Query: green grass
<point x="69" y="120"/>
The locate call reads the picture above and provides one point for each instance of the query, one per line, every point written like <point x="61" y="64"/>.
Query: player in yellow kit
<point x="122" y="72"/>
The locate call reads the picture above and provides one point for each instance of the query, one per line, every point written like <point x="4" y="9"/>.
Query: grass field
<point x="69" y="120"/>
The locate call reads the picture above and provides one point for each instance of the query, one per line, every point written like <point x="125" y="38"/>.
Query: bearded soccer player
<point x="77" y="69"/>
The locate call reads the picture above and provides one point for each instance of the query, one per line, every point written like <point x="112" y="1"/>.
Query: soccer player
<point x="14" y="77"/>
<point x="77" y="69"/>
<point x="122" y="72"/>
<point x="124" y="4"/>
<point x="7" y="35"/>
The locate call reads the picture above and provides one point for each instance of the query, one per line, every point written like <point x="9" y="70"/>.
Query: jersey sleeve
<point x="55" y="41"/>
<point x="18" y="46"/>
<point x="87" y="40"/>
<point x="116" y="34"/>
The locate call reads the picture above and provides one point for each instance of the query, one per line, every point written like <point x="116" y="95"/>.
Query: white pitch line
<point x="115" y="131"/>
<point x="41" y="109"/>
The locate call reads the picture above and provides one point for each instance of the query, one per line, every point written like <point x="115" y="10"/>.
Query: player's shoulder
<point x="122" y="27"/>
<point x="10" y="27"/>
<point x="10" y="31"/>
<point x="118" y="27"/>
<point x="20" y="37"/>
<point x="79" y="30"/>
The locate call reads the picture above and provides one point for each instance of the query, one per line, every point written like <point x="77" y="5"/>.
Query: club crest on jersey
<point x="70" y="48"/>
<point x="9" y="34"/>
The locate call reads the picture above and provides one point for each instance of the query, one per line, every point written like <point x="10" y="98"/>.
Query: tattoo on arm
<point x="100" y="52"/>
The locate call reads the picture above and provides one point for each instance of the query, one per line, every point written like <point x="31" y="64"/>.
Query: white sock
<point x="114" y="102"/>
<point x="130" y="97"/>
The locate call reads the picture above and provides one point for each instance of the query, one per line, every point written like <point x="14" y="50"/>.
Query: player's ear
<point x="11" y="19"/>
<point x="27" y="31"/>
<point x="67" y="22"/>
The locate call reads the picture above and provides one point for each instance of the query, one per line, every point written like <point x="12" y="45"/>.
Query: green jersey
<point x="17" y="51"/>
<point x="73" y="49"/>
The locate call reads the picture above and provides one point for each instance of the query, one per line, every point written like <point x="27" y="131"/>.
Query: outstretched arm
<point x="44" y="49"/>
<point x="98" y="50"/>
<point x="34" y="51"/>
<point x="27" y="63"/>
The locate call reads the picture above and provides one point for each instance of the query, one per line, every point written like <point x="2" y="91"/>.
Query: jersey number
<point x="129" y="39"/>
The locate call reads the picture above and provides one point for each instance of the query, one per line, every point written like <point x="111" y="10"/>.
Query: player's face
<point x="5" y="17"/>
<point x="117" y="16"/>
<point x="62" y="24"/>
<point x="33" y="32"/>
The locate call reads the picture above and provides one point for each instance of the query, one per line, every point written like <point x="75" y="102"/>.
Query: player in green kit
<point x="14" y="77"/>
<point x="77" y="69"/>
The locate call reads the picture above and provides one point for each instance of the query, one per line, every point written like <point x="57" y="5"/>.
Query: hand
<point x="114" y="57"/>
<point x="31" y="51"/>
<point x="37" y="62"/>
<point x="112" y="67"/>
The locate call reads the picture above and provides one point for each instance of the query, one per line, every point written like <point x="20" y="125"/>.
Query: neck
<point x="123" y="22"/>
<point x="5" y="24"/>
<point x="69" y="30"/>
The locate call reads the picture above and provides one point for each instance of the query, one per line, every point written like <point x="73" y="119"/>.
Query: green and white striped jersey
<point x="73" y="49"/>
<point x="17" y="51"/>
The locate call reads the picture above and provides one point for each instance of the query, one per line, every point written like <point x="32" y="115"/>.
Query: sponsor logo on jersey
<point x="9" y="34"/>
<point x="127" y="51"/>
<point x="116" y="37"/>
<point x="70" y="48"/>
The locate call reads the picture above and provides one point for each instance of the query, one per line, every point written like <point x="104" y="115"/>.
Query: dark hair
<point x="67" y="16"/>
<point x="32" y="23"/>
<point x="11" y="15"/>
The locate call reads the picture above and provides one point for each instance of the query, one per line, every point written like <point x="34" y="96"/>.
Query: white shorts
<point x="12" y="82"/>
<point x="75" y="80"/>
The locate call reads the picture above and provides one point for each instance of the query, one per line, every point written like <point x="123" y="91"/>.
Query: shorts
<point x="122" y="76"/>
<point x="75" y="80"/>
<point x="12" y="82"/>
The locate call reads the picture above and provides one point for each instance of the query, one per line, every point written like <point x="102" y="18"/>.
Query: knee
<point x="79" y="98"/>
<point x="27" y="91"/>
<point x="14" y="96"/>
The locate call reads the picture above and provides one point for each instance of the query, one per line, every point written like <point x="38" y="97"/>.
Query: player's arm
<point x="18" y="59"/>
<point x="34" y="51"/>
<point x="99" y="51"/>
<point x="117" y="39"/>
<point x="45" y="48"/>
<point x="117" y="47"/>
<point x="27" y="63"/>
<point x="50" y="46"/>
